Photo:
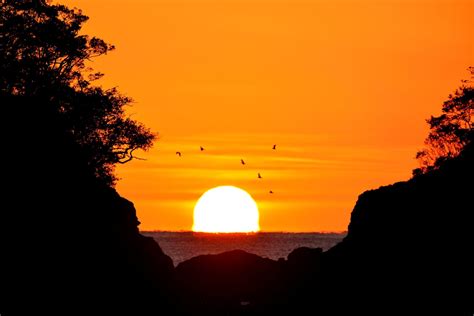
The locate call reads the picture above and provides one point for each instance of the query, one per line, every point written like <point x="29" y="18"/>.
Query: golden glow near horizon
<point x="343" y="87"/>
<point x="226" y="209"/>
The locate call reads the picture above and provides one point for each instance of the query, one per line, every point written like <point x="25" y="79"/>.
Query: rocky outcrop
<point x="234" y="281"/>
<point x="69" y="243"/>
<point x="409" y="246"/>
<point x="238" y="282"/>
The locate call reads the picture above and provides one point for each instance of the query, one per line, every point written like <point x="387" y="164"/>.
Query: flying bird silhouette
<point x="274" y="147"/>
<point x="259" y="176"/>
<point x="178" y="153"/>
<point x="271" y="192"/>
<point x="242" y="161"/>
<point x="202" y="148"/>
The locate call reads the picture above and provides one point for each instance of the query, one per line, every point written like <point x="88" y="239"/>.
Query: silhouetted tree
<point x="452" y="130"/>
<point x="44" y="56"/>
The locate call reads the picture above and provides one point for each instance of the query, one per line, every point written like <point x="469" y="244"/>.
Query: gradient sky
<point x="343" y="87"/>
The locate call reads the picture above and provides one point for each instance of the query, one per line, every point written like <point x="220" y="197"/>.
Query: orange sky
<point x="342" y="86"/>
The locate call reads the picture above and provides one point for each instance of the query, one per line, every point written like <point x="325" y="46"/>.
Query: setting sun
<point x="226" y="209"/>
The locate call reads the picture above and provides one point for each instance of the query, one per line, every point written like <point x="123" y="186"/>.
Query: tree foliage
<point x="451" y="131"/>
<point x="44" y="55"/>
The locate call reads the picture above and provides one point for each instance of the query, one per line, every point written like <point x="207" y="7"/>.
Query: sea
<point x="181" y="246"/>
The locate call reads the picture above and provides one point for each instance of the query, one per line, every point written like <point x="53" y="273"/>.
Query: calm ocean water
<point x="181" y="246"/>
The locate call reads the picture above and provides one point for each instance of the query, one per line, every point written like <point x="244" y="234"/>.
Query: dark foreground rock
<point x="234" y="281"/>
<point x="409" y="247"/>
<point x="238" y="282"/>
<point x="69" y="244"/>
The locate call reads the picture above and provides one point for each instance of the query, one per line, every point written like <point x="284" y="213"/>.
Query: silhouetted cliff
<point x="70" y="244"/>
<point x="409" y="246"/>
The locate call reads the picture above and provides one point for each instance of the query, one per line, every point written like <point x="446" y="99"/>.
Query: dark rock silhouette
<point x="302" y="280"/>
<point x="70" y="244"/>
<point x="234" y="281"/>
<point x="409" y="246"/>
<point x="304" y="264"/>
<point x="238" y="282"/>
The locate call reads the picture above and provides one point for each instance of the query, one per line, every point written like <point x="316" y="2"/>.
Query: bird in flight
<point x="274" y="147"/>
<point x="259" y="176"/>
<point x="202" y="148"/>
<point x="271" y="192"/>
<point x="178" y="153"/>
<point x="242" y="161"/>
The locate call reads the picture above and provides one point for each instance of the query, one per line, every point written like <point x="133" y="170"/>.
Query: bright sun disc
<point x="226" y="209"/>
